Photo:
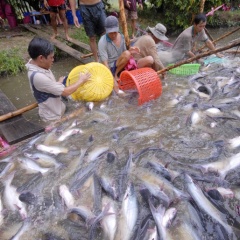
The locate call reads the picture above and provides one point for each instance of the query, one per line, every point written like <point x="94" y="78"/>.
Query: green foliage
<point x="178" y="14"/>
<point x="10" y="62"/>
<point x="80" y="35"/>
<point x="225" y="19"/>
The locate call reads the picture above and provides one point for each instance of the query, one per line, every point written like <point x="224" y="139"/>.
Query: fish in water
<point x="90" y="106"/>
<point x="1" y="208"/>
<point x="31" y="166"/>
<point x="66" y="134"/>
<point x="27" y="197"/>
<point x="11" y="196"/>
<point x="96" y="152"/>
<point x="223" y="166"/>
<point x="129" y="214"/>
<point x="66" y="196"/>
<point x="51" y="149"/>
<point x="25" y="226"/>
<point x="109" y="222"/>
<point x="158" y="215"/>
<point x="234" y="142"/>
<point x="204" y="204"/>
<point x="44" y="159"/>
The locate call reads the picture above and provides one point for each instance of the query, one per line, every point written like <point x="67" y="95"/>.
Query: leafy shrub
<point x="10" y="62"/>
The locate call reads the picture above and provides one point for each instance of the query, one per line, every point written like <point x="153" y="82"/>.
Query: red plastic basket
<point x="145" y="80"/>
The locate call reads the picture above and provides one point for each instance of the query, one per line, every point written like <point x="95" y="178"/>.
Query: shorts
<point x="131" y="14"/>
<point x="114" y="68"/>
<point x="93" y="19"/>
<point x="56" y="9"/>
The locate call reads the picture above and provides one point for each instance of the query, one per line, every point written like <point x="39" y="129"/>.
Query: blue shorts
<point x="113" y="68"/>
<point x="65" y="81"/>
<point x="56" y="9"/>
<point x="93" y="19"/>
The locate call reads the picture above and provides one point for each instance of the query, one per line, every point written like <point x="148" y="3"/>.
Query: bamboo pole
<point x="124" y="23"/>
<point x="69" y="116"/>
<point x="209" y="35"/>
<point x="18" y="112"/>
<point x="233" y="51"/>
<point x="189" y="60"/>
<point x="220" y="38"/>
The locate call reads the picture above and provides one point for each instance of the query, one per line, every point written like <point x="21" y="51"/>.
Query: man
<point x="57" y="7"/>
<point x="185" y="45"/>
<point x="148" y="56"/>
<point x="130" y="7"/>
<point x="45" y="89"/>
<point x="93" y="15"/>
<point x="112" y="49"/>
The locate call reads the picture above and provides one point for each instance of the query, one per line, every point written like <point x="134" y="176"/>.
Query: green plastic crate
<point x="186" y="69"/>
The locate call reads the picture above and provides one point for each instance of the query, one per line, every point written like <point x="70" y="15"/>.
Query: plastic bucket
<point x="69" y="17"/>
<point x="79" y="16"/>
<point x="27" y="18"/>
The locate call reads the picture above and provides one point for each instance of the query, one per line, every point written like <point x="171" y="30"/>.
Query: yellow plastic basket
<point x="186" y="69"/>
<point x="97" y="88"/>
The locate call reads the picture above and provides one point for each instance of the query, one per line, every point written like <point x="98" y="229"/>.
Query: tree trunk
<point x="202" y="3"/>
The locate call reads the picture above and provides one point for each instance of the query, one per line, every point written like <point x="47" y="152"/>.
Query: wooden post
<point x="202" y="3"/>
<point x="189" y="60"/>
<point x="124" y="23"/>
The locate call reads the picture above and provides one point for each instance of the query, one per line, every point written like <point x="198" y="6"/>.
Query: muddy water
<point x="161" y="123"/>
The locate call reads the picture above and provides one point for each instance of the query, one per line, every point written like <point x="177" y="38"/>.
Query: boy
<point x="45" y="88"/>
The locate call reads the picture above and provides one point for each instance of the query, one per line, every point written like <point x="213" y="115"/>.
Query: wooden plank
<point x="74" y="41"/>
<point x="17" y="128"/>
<point x="62" y="46"/>
<point x="10" y="35"/>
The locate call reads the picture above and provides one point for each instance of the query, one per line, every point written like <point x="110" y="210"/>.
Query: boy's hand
<point x="84" y="77"/>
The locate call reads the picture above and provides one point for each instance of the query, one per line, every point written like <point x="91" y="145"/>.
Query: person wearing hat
<point x="185" y="45"/>
<point x="148" y="56"/>
<point x="112" y="49"/>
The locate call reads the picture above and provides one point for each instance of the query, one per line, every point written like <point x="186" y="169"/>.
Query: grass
<point x="11" y="62"/>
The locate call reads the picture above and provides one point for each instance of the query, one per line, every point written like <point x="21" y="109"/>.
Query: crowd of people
<point x="111" y="50"/>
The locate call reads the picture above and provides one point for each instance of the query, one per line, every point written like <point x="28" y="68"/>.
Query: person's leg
<point x="59" y="21"/>
<point x="90" y="21"/>
<point x="120" y="65"/>
<point x="122" y="62"/>
<point x="145" y="62"/>
<point x="62" y="15"/>
<point x="93" y="46"/>
<point x="134" y="17"/>
<point x="53" y="17"/>
<point x="133" y="25"/>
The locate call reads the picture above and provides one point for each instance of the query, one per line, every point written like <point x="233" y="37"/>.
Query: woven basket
<point x="186" y="69"/>
<point x="145" y="80"/>
<point x="97" y="88"/>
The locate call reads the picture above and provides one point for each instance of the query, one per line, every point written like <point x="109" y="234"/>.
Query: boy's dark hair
<point x="201" y="17"/>
<point x="40" y="46"/>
